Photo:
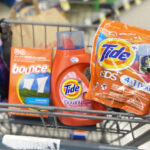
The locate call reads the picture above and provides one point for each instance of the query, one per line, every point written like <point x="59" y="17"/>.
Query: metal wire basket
<point x="120" y="129"/>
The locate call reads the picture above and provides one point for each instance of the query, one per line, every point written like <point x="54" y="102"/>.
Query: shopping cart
<point x="118" y="130"/>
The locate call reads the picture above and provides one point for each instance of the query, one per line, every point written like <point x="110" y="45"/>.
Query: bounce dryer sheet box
<point x="30" y="73"/>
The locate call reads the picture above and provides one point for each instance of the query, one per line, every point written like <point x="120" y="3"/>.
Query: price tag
<point x="102" y="17"/>
<point x="117" y="12"/>
<point x="126" y="4"/>
<point x="65" y="5"/>
<point x="138" y="2"/>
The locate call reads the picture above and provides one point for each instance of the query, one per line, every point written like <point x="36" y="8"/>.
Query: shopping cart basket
<point x="118" y="130"/>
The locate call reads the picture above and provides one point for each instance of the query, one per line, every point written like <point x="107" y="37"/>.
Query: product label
<point x="37" y="101"/>
<point x="30" y="73"/>
<point x="120" y="67"/>
<point x="34" y="88"/>
<point x="134" y="83"/>
<point x="27" y="70"/>
<point x="115" y="54"/>
<point x="72" y="91"/>
<point x="71" y="88"/>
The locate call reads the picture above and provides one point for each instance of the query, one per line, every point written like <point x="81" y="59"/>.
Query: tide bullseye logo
<point x="71" y="88"/>
<point x="115" y="54"/>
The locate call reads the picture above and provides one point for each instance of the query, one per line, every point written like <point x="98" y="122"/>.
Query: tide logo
<point x="115" y="54"/>
<point x="71" y="88"/>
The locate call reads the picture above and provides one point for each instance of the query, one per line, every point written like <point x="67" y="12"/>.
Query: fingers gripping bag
<point x="120" y="67"/>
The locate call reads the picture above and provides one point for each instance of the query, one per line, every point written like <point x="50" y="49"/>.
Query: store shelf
<point x="89" y="15"/>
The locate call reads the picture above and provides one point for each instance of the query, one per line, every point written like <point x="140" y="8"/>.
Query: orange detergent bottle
<point x="69" y="82"/>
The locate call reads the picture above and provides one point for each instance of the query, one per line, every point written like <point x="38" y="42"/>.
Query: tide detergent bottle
<point x="69" y="83"/>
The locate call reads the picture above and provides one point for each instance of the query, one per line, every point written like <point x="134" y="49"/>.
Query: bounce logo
<point x="115" y="54"/>
<point x="71" y="88"/>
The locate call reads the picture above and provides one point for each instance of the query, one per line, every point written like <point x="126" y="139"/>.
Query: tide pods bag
<point x="30" y="73"/>
<point x="120" y="67"/>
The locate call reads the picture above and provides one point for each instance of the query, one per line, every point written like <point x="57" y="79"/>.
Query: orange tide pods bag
<point x="120" y="67"/>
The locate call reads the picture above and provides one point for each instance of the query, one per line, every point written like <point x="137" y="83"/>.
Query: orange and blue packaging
<point x="120" y="67"/>
<point x="69" y="83"/>
<point x="30" y="74"/>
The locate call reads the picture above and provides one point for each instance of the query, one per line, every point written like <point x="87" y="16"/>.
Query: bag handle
<point x="13" y="9"/>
